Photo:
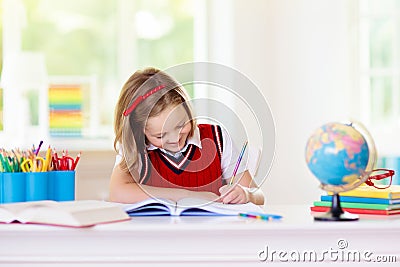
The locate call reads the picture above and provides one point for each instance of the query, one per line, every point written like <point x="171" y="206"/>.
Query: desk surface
<point x="203" y="240"/>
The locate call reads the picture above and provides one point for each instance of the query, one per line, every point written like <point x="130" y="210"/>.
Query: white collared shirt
<point x="230" y="153"/>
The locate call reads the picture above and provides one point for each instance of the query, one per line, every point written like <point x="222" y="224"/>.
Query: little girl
<point x="164" y="153"/>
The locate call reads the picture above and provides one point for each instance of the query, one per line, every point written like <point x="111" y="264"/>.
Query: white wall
<point x="297" y="52"/>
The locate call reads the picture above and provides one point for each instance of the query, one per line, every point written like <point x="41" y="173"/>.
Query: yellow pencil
<point x="47" y="160"/>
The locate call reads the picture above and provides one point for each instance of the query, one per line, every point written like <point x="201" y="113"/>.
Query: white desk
<point x="199" y="241"/>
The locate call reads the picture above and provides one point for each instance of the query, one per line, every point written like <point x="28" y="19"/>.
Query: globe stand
<point x="336" y="212"/>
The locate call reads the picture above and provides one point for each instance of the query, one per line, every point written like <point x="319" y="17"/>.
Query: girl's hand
<point x="233" y="194"/>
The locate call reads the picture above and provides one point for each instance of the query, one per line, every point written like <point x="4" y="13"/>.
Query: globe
<point x="341" y="156"/>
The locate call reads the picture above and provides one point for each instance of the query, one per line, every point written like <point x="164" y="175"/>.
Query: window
<point x="105" y="39"/>
<point x="78" y="38"/>
<point x="379" y="43"/>
<point x="1" y="65"/>
<point x="379" y="68"/>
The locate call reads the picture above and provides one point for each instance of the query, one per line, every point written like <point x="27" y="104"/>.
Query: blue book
<point x="370" y="200"/>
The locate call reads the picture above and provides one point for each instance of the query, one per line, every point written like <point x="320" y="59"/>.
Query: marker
<point x="261" y="216"/>
<point x="37" y="150"/>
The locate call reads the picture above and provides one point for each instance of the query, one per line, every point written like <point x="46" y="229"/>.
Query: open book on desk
<point x="187" y="207"/>
<point x="79" y="213"/>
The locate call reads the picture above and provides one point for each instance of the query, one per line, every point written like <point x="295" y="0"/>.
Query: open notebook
<point x="187" y="207"/>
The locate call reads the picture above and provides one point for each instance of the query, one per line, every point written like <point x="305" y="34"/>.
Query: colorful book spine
<point x="358" y="205"/>
<point x="358" y="211"/>
<point x="363" y="200"/>
<point x="65" y="108"/>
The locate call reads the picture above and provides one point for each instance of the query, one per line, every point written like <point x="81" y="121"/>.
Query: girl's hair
<point x="129" y="129"/>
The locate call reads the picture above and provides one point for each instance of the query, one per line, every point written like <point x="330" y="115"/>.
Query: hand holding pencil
<point x="235" y="193"/>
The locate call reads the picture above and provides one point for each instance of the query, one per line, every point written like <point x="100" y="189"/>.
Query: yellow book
<point x="393" y="192"/>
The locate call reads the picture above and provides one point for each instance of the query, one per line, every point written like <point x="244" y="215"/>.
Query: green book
<point x="359" y="205"/>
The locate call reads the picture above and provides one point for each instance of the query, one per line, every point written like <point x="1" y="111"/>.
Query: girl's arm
<point x="244" y="191"/>
<point x="124" y="189"/>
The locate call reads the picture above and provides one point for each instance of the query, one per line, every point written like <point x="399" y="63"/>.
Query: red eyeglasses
<point x="385" y="177"/>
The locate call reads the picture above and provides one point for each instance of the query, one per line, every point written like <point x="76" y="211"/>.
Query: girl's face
<point x="169" y="129"/>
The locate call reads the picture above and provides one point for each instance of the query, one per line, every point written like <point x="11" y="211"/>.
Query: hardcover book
<point x="359" y="205"/>
<point x="79" y="213"/>
<point x="358" y="211"/>
<point x="392" y="192"/>
<point x="370" y="200"/>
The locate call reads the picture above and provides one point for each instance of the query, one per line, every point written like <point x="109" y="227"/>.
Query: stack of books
<point x="364" y="200"/>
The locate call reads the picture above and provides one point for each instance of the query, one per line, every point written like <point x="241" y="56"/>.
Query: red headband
<point x="141" y="98"/>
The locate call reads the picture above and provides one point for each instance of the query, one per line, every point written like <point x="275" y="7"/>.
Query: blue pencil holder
<point x="1" y="187"/>
<point x="36" y="186"/>
<point x="12" y="187"/>
<point x="62" y="185"/>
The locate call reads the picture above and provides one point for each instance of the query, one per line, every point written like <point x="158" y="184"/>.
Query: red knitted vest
<point x="197" y="169"/>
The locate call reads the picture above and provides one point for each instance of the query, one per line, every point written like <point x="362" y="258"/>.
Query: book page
<point x="150" y="207"/>
<point x="195" y="206"/>
<point x="11" y="211"/>
<point x="6" y="216"/>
